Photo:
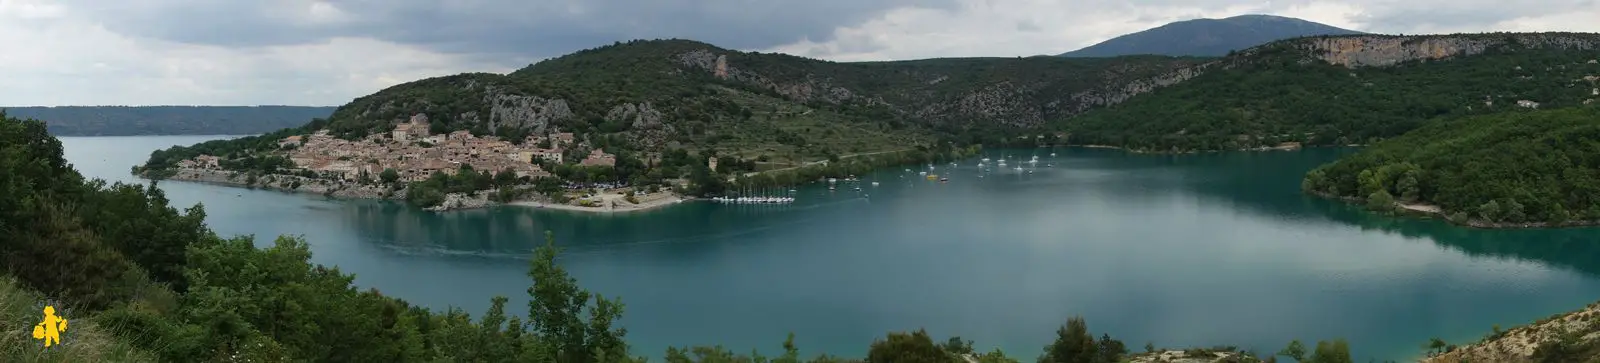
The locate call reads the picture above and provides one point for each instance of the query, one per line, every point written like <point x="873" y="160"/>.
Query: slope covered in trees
<point x="1349" y="90"/>
<point x="169" y="120"/>
<point x="659" y="94"/>
<point x="143" y="281"/>
<point x="1510" y="168"/>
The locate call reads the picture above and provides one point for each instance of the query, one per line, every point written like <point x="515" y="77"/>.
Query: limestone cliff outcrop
<point x="530" y="112"/>
<point x="640" y="116"/>
<point x="927" y="95"/>
<point x="1387" y="50"/>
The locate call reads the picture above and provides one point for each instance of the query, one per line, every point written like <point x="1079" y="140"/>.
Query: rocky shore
<point x="1564" y="337"/>
<point x="287" y="183"/>
<point x="610" y="202"/>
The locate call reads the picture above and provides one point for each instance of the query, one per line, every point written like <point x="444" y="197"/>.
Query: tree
<point x="1436" y="345"/>
<point x="1408" y="187"/>
<point x="389" y="176"/>
<point x="556" y="312"/>
<point x="1381" y="201"/>
<point x="506" y="177"/>
<point x="957" y="346"/>
<point x="1295" y="350"/>
<point x="1514" y="211"/>
<point x="1111" y="350"/>
<point x="914" y="347"/>
<point x="1073" y="344"/>
<point x="1337" y="351"/>
<point x="1490" y="211"/>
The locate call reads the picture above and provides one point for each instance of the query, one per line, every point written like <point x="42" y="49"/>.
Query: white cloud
<point x="995" y="27"/>
<point x="323" y="52"/>
<point x="67" y="61"/>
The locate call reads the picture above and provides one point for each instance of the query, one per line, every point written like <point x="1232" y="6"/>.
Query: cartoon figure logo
<point x="50" y="329"/>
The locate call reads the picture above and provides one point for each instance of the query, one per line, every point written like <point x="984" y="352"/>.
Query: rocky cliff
<point x="984" y="91"/>
<point x="1388" y="50"/>
<point x="660" y="92"/>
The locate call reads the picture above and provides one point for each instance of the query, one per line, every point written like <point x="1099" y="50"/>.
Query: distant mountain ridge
<point x="168" y="120"/>
<point x="1208" y="37"/>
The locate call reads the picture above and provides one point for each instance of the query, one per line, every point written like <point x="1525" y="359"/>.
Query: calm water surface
<point x="1179" y="250"/>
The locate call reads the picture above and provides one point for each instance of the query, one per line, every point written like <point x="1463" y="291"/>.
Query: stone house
<point x="599" y="157"/>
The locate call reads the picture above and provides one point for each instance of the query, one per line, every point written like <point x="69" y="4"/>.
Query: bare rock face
<point x="1112" y="94"/>
<point x="721" y="70"/>
<point x="1382" y="50"/>
<point x="810" y="89"/>
<point x="528" y="112"/>
<point x="640" y="116"/>
<point x="1003" y="102"/>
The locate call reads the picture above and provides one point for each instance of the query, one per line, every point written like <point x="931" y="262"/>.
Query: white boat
<point x="874" y="183"/>
<point x="922" y="173"/>
<point x="1052" y="154"/>
<point x="985" y="160"/>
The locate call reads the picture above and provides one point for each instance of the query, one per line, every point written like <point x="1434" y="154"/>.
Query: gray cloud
<point x="325" y="52"/>
<point x="1390" y="16"/>
<point x="501" y="28"/>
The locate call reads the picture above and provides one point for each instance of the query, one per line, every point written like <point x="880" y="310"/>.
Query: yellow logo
<point x="50" y="329"/>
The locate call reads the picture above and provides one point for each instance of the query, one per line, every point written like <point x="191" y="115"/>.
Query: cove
<point x="1180" y="250"/>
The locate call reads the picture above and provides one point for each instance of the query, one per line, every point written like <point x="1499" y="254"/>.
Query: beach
<point x="612" y="202"/>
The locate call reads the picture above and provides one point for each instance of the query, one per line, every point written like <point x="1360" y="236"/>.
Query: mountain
<point x="1349" y="90"/>
<point x="169" y="120"/>
<point x="1208" y="37"/>
<point x="659" y="94"/>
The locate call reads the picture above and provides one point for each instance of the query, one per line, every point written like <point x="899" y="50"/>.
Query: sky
<point x="310" y="52"/>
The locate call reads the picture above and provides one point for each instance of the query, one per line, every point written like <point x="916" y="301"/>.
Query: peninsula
<point x="639" y="124"/>
<point x="1514" y="169"/>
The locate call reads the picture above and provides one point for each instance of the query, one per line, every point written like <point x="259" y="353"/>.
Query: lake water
<point x="1178" y="250"/>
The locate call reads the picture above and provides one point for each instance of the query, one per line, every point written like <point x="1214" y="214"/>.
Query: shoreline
<point x="285" y="184"/>
<point x="1429" y="211"/>
<point x="1288" y="146"/>
<point x="642" y="206"/>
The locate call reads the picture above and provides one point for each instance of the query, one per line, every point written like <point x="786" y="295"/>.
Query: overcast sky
<point x="306" y="52"/>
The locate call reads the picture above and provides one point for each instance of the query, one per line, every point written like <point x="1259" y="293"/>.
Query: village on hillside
<point x="414" y="154"/>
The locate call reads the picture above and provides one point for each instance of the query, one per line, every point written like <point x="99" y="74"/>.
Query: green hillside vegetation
<point x="143" y="281"/>
<point x="1510" y="168"/>
<point x="1280" y="93"/>
<point x="662" y="109"/>
<point x="169" y="120"/>
<point x="784" y="107"/>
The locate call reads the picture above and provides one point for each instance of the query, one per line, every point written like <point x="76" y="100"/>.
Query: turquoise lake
<point x="1186" y="250"/>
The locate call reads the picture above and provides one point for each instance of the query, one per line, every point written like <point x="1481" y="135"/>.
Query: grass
<point x="83" y="341"/>
<point x="824" y="130"/>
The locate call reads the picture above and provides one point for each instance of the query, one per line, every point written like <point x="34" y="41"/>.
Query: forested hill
<point x="1516" y="168"/>
<point x="169" y="120"/>
<point x="1349" y="90"/>
<point x="652" y="94"/>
